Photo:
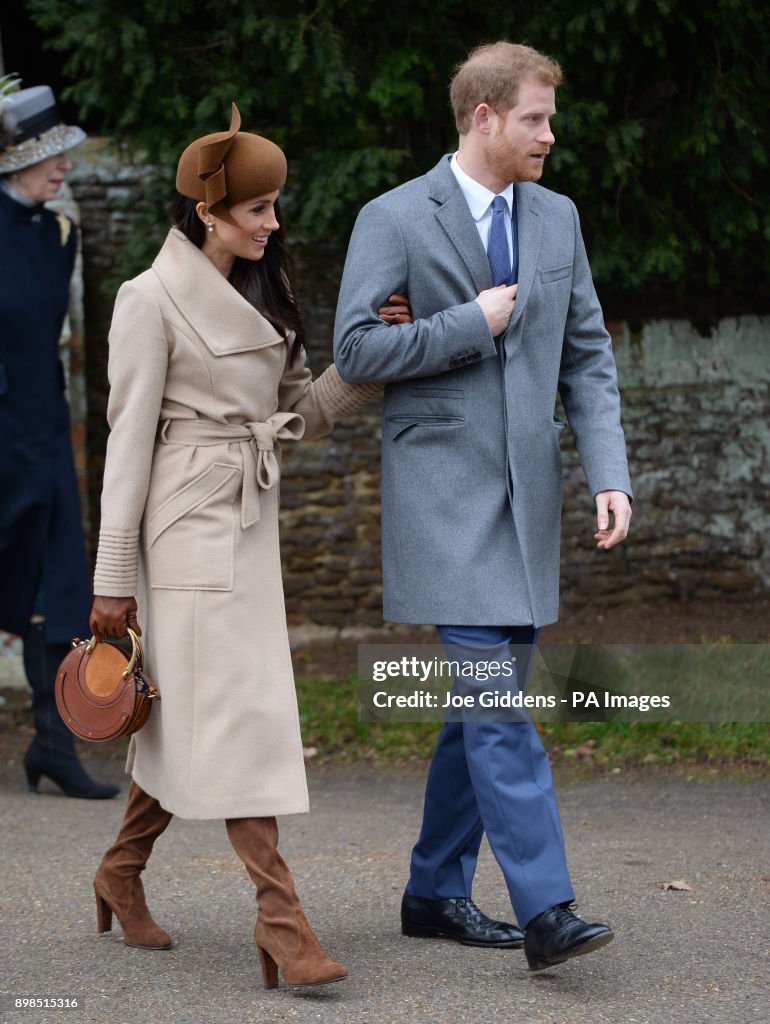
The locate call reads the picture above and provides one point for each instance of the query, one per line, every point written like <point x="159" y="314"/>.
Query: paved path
<point x="678" y="956"/>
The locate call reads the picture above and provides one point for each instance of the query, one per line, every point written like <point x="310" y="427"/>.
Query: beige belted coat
<point x="201" y="394"/>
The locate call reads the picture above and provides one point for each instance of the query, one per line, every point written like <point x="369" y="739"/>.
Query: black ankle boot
<point x="52" y="751"/>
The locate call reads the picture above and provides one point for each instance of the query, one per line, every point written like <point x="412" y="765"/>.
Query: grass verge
<point x="329" y="717"/>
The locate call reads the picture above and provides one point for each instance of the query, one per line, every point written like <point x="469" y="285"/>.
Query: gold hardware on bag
<point x="101" y="689"/>
<point x="136" y="649"/>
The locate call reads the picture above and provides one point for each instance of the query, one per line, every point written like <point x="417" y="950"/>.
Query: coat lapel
<point x="455" y="218"/>
<point x="530" y="223"/>
<point x="223" y="319"/>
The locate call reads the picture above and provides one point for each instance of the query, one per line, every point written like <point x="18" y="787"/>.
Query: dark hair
<point x="268" y="284"/>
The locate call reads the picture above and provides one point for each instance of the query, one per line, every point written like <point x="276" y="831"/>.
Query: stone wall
<point x="107" y="190"/>
<point x="696" y="412"/>
<point x="697" y="420"/>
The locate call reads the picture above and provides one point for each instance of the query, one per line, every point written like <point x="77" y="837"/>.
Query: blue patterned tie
<point x="497" y="247"/>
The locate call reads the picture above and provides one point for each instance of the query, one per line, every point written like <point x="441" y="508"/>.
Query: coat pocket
<point x="399" y="424"/>
<point x="432" y="391"/>
<point x="190" y="537"/>
<point x="546" y="276"/>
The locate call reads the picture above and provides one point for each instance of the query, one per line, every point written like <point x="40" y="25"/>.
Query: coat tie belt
<point x="257" y="442"/>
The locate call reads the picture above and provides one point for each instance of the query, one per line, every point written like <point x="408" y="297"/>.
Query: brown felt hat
<point x="229" y="167"/>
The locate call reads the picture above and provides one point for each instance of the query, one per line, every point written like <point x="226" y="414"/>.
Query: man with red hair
<point x="505" y="318"/>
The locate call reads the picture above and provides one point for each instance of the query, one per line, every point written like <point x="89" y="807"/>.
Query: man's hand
<point x="113" y="616"/>
<point x="497" y="306"/>
<point x="398" y="310"/>
<point x="617" y="503"/>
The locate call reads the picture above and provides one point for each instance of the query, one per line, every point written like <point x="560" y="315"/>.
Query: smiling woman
<point x="208" y="376"/>
<point x="234" y="247"/>
<point x="254" y="220"/>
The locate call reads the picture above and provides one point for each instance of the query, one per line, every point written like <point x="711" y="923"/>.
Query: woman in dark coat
<point x="44" y="584"/>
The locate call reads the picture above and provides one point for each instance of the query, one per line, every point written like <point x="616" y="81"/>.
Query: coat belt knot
<point x="257" y="442"/>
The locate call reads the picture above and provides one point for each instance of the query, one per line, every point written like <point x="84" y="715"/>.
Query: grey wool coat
<point x="201" y="396"/>
<point x="471" y="465"/>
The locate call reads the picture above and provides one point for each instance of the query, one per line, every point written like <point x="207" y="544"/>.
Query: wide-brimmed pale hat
<point x="230" y="167"/>
<point x="32" y="127"/>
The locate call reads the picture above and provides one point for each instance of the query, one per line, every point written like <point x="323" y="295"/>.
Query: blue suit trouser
<point x="493" y="777"/>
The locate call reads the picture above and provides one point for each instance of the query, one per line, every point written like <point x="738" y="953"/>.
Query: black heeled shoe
<point x="52" y="752"/>
<point x="66" y="772"/>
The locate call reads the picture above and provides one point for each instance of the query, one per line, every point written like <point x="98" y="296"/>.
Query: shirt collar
<point x="478" y="197"/>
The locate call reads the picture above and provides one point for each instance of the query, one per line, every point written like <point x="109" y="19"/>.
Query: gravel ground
<point x="686" y="957"/>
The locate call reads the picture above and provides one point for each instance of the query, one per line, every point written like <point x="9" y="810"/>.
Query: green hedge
<point x="662" y="136"/>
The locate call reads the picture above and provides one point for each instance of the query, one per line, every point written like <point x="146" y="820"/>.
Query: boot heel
<point x="32" y="780"/>
<point x="269" y="968"/>
<point x="418" y="931"/>
<point x="103" y="914"/>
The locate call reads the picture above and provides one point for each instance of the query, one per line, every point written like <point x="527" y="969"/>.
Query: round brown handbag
<point x="102" y="691"/>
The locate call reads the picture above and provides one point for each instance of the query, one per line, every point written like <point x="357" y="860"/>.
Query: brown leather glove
<point x="113" y="616"/>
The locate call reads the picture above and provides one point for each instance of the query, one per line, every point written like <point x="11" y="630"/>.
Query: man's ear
<point x="484" y="119"/>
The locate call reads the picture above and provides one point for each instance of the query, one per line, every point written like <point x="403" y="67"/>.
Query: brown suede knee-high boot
<point x="117" y="883"/>
<point x="282" y="933"/>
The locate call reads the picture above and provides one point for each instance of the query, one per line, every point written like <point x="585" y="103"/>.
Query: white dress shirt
<point x="479" y="200"/>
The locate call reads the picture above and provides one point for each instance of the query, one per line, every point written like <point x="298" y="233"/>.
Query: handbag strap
<point x="136" y="659"/>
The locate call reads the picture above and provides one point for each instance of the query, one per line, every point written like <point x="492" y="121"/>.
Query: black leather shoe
<point x="557" y="935"/>
<point x="458" y="919"/>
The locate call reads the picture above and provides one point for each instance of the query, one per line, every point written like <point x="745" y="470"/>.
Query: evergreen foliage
<point x="662" y="131"/>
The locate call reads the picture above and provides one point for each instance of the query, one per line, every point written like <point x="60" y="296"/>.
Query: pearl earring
<point x="210" y="226"/>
